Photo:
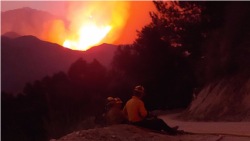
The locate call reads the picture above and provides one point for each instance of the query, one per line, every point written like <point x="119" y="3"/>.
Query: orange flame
<point x="96" y="22"/>
<point x="89" y="35"/>
<point x="91" y="23"/>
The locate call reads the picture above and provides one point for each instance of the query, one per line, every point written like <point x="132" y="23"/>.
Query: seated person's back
<point x="135" y="110"/>
<point x="137" y="114"/>
<point x="114" y="114"/>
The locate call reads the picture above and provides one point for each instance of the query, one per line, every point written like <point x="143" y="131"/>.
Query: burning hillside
<point x="93" y="23"/>
<point x="82" y="24"/>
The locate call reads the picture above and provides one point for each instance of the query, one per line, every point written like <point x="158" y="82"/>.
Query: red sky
<point x="133" y="14"/>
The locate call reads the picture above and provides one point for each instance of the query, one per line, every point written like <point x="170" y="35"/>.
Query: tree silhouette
<point x="77" y="72"/>
<point x="164" y="57"/>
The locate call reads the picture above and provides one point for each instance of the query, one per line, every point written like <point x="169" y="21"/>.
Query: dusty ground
<point x="132" y="133"/>
<point x="242" y="128"/>
<point x="192" y="126"/>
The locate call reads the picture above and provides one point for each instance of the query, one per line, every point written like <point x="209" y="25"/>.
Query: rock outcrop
<point x="224" y="100"/>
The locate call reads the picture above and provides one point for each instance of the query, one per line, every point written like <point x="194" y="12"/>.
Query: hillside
<point x="26" y="21"/>
<point x="226" y="99"/>
<point x="225" y="93"/>
<point x="26" y="59"/>
<point x="11" y="34"/>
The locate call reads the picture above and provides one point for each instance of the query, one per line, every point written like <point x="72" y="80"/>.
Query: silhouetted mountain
<point x="11" y="34"/>
<point x="26" y="21"/>
<point x="26" y="59"/>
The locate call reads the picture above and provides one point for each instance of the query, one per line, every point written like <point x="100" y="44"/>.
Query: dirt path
<point x="219" y="127"/>
<point x="125" y="132"/>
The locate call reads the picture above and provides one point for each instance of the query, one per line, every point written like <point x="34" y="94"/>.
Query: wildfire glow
<point x="94" y="22"/>
<point x="91" y="23"/>
<point x="89" y="35"/>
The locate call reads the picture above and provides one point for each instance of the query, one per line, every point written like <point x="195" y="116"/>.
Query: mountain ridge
<point x="27" y="21"/>
<point x="27" y="58"/>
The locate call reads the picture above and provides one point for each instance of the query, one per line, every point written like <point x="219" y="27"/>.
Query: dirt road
<point x="125" y="132"/>
<point x="212" y="127"/>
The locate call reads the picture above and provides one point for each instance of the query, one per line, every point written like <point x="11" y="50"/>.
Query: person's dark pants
<point x="155" y="124"/>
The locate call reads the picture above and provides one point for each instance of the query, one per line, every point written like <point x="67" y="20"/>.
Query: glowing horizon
<point x="83" y="24"/>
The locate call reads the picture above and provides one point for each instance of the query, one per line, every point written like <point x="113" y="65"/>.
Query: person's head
<point x="113" y="102"/>
<point x="139" y="91"/>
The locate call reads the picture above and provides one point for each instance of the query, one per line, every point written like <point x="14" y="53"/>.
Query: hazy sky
<point x="54" y="7"/>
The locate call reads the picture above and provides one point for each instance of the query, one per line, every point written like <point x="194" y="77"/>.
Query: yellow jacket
<point x="135" y="110"/>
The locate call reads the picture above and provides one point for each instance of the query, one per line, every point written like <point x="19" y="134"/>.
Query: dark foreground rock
<point x="132" y="133"/>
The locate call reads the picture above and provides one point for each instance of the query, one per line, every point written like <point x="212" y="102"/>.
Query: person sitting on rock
<point x="139" y="116"/>
<point x="114" y="114"/>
